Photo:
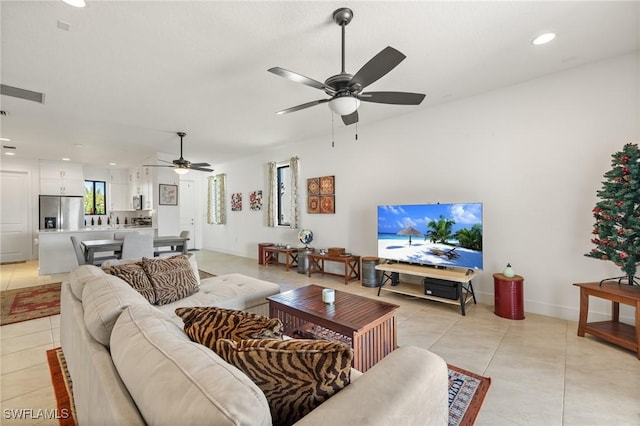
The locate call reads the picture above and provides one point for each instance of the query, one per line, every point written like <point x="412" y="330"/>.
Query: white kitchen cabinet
<point x="61" y="178"/>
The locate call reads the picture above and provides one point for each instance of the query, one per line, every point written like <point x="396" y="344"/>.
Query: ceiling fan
<point x="182" y="166"/>
<point x="346" y="90"/>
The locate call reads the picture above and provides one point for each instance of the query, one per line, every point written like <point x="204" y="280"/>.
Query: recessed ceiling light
<point x="75" y="3"/>
<point x="5" y="139"/>
<point x="112" y="164"/>
<point x="66" y="159"/>
<point x="543" y="39"/>
<point x="9" y="153"/>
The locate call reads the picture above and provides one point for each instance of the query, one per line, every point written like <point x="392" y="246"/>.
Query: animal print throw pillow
<point x="295" y="375"/>
<point x="205" y="325"/>
<point x="172" y="278"/>
<point x="133" y="274"/>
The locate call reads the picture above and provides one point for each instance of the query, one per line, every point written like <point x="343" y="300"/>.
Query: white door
<point x="188" y="210"/>
<point x="15" y="238"/>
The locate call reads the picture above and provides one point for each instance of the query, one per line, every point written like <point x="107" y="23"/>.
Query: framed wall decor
<point x="321" y="195"/>
<point x="255" y="200"/>
<point x="168" y="195"/>
<point x="236" y="201"/>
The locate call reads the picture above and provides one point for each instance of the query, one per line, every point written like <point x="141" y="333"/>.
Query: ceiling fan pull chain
<point x="356" y="130"/>
<point x="333" y="133"/>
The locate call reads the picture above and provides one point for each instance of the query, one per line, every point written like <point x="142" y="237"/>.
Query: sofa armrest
<point x="408" y="387"/>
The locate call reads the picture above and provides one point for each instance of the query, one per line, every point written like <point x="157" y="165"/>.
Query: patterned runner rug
<point x="466" y="391"/>
<point x="24" y="304"/>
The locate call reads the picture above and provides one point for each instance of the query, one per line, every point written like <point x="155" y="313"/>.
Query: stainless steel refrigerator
<point x="61" y="212"/>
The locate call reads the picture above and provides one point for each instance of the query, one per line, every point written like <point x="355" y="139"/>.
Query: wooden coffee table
<point x="368" y="323"/>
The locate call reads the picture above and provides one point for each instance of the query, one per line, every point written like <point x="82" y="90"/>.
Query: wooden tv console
<point x="462" y="278"/>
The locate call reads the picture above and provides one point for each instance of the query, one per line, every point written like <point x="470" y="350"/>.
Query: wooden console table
<point x="462" y="278"/>
<point x="271" y="255"/>
<point x="351" y="265"/>
<point x="612" y="331"/>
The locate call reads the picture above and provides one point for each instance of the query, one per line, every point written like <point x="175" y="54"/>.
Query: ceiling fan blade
<point x="156" y="165"/>
<point x="396" y="98"/>
<point x="303" y="106"/>
<point x="377" y="67"/>
<point x="299" y="78"/>
<point x="200" y="165"/>
<point x="350" y="119"/>
<point x="201" y="169"/>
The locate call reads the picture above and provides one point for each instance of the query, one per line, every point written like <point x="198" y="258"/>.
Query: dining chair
<point x="78" y="250"/>
<point x="174" y="249"/>
<point x="137" y="245"/>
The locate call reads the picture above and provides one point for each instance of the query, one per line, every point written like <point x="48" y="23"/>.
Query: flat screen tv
<point x="445" y="235"/>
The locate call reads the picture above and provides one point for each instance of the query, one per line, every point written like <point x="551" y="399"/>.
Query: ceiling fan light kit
<point x="182" y="166"/>
<point x="344" y="105"/>
<point x="346" y="90"/>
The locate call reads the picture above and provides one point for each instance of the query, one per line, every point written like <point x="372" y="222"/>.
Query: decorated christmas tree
<point x="617" y="228"/>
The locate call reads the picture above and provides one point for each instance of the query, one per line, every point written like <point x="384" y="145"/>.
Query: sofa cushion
<point x="205" y="325"/>
<point x="295" y="375"/>
<point x="108" y="264"/>
<point x="133" y="274"/>
<point x="175" y="381"/>
<point x="171" y="277"/>
<point x="80" y="276"/>
<point x="103" y="300"/>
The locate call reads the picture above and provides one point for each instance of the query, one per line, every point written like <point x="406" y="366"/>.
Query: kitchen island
<point x="56" y="252"/>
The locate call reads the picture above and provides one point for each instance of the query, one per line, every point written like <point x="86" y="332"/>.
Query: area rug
<point x="466" y="391"/>
<point x="29" y="303"/>
<point x="466" y="394"/>
<point x="62" y="387"/>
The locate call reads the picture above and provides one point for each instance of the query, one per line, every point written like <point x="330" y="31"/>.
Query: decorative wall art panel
<point x="327" y="204"/>
<point x="255" y="200"/>
<point x="313" y="204"/>
<point x="327" y="185"/>
<point x="321" y="195"/>
<point x="313" y="186"/>
<point x="168" y="195"/>
<point x="236" y="202"/>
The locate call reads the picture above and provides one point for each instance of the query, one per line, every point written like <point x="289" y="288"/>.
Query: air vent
<point x="25" y="94"/>
<point x="8" y="147"/>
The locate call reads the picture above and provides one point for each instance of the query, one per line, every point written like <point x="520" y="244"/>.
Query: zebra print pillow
<point x="133" y="274"/>
<point x="172" y="278"/>
<point x="205" y="325"/>
<point x="295" y="375"/>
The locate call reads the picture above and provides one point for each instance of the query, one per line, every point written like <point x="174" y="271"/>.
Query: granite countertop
<point x="96" y="228"/>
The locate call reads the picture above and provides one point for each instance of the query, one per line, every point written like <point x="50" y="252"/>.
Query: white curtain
<point x="216" y="208"/>
<point x="272" y="199"/>
<point x="293" y="168"/>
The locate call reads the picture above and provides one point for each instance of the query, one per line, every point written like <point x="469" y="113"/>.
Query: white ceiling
<point x="127" y="75"/>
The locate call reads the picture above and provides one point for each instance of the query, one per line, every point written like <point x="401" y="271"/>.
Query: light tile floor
<point x="541" y="372"/>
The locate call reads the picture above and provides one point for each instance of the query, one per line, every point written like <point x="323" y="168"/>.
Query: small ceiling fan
<point x="346" y="90"/>
<point x="182" y="166"/>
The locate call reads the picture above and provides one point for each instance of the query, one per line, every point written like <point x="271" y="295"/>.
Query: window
<point x="95" y="198"/>
<point x="284" y="195"/>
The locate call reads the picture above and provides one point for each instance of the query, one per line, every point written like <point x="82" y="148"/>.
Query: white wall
<point x="533" y="153"/>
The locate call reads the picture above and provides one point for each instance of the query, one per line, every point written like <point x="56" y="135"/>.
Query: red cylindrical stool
<point x="509" y="296"/>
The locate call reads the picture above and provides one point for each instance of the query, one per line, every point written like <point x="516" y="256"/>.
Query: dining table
<point x="91" y="247"/>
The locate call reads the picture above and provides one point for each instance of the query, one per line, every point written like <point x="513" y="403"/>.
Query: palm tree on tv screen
<point x="470" y="238"/>
<point x="440" y="230"/>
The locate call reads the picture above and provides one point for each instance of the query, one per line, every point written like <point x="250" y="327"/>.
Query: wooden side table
<point x="612" y="331"/>
<point x="351" y="265"/>
<point x="271" y="256"/>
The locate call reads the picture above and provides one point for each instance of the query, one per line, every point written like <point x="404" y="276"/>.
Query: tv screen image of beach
<point x="447" y="235"/>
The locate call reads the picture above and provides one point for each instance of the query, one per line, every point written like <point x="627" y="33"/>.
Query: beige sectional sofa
<point x="131" y="363"/>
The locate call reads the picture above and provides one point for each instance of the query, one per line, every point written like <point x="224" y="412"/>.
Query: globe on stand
<point x="305" y="236"/>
